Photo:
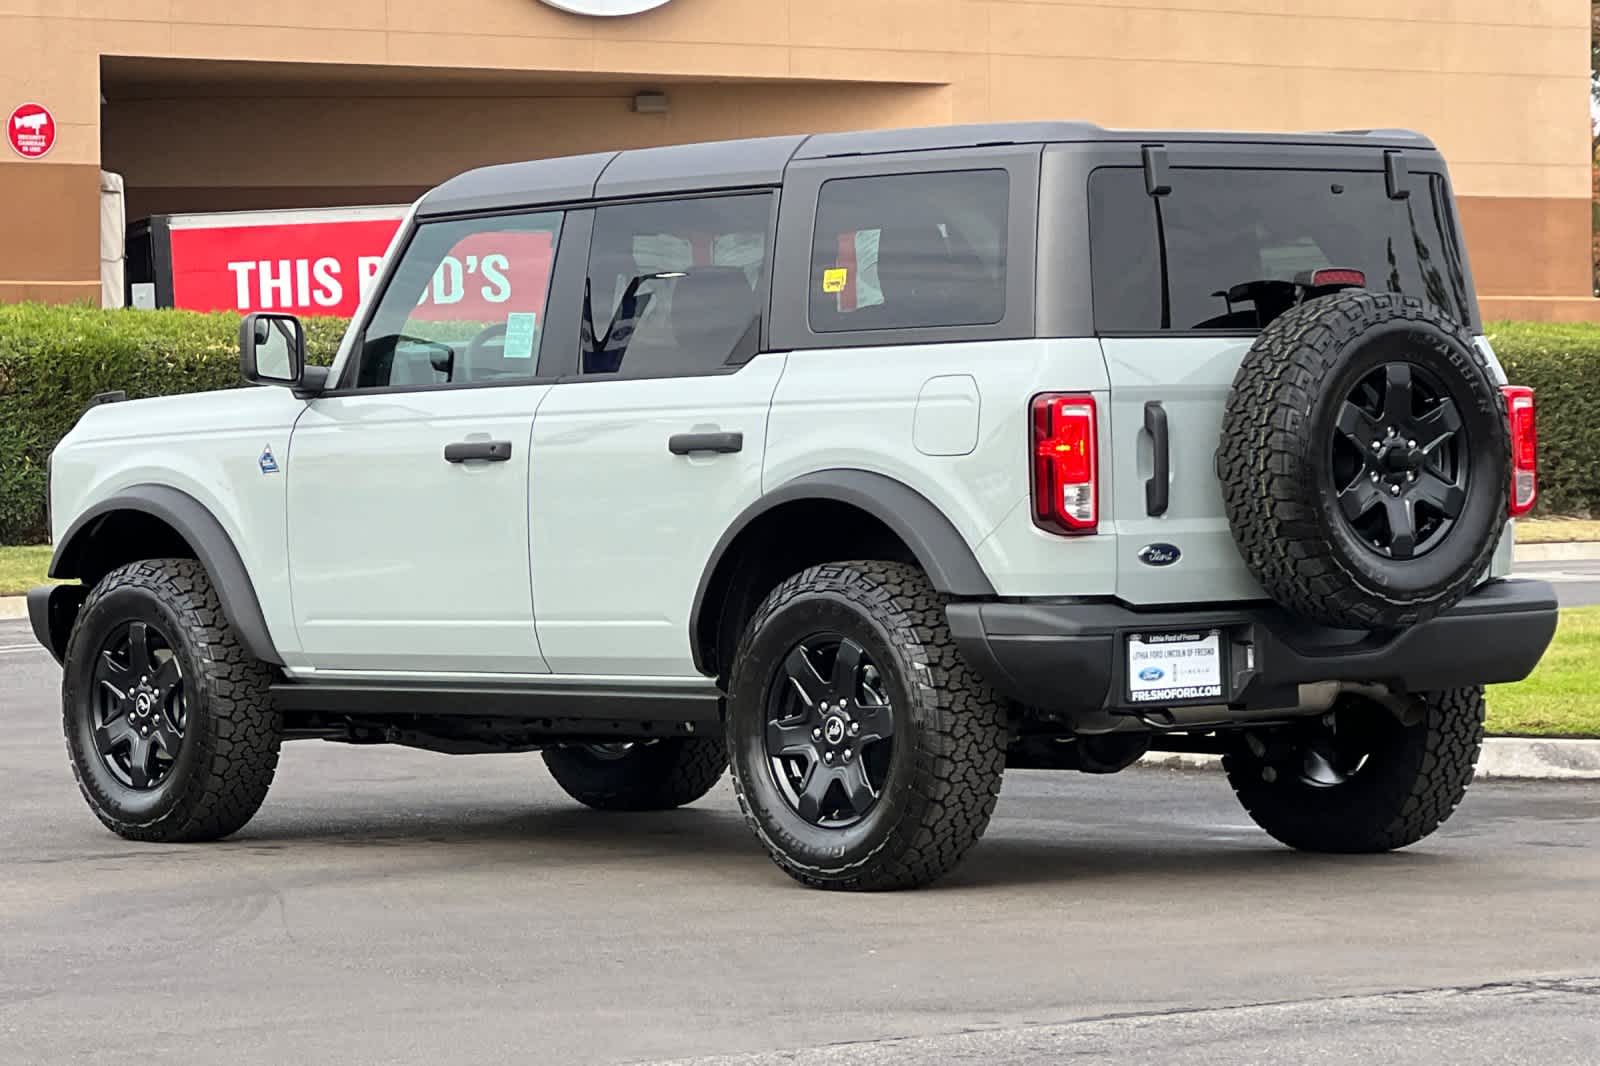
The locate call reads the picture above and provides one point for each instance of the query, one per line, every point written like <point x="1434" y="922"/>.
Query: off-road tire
<point x="1403" y="793"/>
<point x="230" y="747"/>
<point x="950" y="730"/>
<point x="647" y="777"/>
<point x="1274" y="455"/>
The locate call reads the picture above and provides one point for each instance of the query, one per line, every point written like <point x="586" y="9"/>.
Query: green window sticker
<point x="522" y="328"/>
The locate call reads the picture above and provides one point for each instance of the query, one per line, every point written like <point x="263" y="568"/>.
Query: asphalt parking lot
<point x="389" y="906"/>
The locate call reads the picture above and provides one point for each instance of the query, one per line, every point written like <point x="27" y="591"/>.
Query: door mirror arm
<point x="313" y="382"/>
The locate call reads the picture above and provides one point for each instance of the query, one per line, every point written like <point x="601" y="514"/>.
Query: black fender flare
<point x="211" y="544"/>
<point x="938" y="546"/>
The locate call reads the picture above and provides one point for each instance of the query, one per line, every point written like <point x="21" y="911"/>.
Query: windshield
<point x="1197" y="258"/>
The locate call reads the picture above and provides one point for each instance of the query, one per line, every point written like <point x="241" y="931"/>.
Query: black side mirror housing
<point x="272" y="351"/>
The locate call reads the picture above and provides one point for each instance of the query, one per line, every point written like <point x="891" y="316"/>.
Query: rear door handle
<point x="685" y="443"/>
<point x="1158" y="485"/>
<point x="489" y="451"/>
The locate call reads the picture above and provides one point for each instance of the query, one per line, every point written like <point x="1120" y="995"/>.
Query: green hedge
<point x="1561" y="362"/>
<point x="53" y="359"/>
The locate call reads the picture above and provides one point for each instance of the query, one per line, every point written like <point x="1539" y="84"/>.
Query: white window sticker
<point x="521" y="329"/>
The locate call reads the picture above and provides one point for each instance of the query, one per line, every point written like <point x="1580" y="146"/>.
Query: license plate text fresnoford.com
<point x="1164" y="667"/>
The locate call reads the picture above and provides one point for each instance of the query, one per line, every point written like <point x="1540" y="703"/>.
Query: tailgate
<point x="1190" y="377"/>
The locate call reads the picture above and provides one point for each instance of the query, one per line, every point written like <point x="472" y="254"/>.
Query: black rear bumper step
<point x="1067" y="658"/>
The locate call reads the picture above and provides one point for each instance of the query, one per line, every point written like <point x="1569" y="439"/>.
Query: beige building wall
<point x="213" y="103"/>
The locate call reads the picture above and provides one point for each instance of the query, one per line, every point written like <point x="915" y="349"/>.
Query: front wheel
<point x="168" y="718"/>
<point x="1360" y="779"/>
<point x="866" y="754"/>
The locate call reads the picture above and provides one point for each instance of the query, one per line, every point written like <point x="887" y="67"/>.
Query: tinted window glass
<point x="1236" y="239"/>
<point x="910" y="250"/>
<point x="466" y="305"/>
<point x="673" y="286"/>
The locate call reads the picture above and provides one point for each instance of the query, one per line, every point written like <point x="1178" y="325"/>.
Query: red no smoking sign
<point x="31" y="129"/>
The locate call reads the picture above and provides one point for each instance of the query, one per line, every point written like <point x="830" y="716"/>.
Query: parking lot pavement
<point x="1576" y="581"/>
<point x="389" y="906"/>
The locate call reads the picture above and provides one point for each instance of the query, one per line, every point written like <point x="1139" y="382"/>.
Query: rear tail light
<point x="1524" y="449"/>
<point x="1065" y="464"/>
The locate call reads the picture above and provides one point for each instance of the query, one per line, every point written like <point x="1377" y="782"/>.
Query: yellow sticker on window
<point x="833" y="279"/>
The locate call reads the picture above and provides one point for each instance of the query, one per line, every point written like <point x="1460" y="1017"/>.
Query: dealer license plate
<point x="1173" y="667"/>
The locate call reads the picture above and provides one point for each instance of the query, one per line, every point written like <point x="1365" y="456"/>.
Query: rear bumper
<point x="51" y="610"/>
<point x="1067" y="659"/>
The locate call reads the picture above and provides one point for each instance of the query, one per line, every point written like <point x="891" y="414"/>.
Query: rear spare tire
<point x="1365" y="460"/>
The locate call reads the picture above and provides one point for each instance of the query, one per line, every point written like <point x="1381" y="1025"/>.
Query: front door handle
<point x="488" y="451"/>
<point x="685" y="443"/>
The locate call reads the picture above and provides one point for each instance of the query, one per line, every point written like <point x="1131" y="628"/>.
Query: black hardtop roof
<point x="762" y="161"/>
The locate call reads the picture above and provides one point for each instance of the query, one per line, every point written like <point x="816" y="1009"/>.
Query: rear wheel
<point x="1360" y="779"/>
<point x="865" y="753"/>
<point x="644" y="776"/>
<point x="168" y="718"/>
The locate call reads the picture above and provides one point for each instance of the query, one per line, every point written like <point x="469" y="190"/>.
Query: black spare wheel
<point x="1365" y="460"/>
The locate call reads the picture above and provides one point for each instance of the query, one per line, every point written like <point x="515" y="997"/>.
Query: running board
<point x="527" y="701"/>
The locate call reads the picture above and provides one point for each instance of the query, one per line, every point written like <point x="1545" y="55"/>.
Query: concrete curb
<point x="1566" y="551"/>
<point x="13" y="607"/>
<point x="1504" y="757"/>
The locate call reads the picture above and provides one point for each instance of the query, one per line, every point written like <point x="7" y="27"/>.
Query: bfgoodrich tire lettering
<point x="231" y="735"/>
<point x="948" y="731"/>
<point x="1285" y="484"/>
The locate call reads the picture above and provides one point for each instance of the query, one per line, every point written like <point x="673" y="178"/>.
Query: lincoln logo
<point x="606" y="8"/>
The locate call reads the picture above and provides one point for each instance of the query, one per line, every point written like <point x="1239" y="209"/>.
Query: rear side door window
<point x="675" y="287"/>
<point x="907" y="251"/>
<point x="465" y="305"/>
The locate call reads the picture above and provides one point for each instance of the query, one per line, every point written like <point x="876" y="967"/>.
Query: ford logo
<point x="1152" y="673"/>
<point x="1159" y="554"/>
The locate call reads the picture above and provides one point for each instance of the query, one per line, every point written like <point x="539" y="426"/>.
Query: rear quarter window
<point x="905" y="251"/>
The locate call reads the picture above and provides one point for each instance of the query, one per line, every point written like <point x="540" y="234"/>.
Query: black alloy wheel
<point x="1399" y="462"/>
<point x="866" y="755"/>
<point x="138" y="709"/>
<point x="1365" y="458"/>
<point x="168" y="718"/>
<point x="1363" y="778"/>
<point x="829" y="731"/>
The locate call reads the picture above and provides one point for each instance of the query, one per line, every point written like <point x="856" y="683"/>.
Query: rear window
<point x="905" y="251"/>
<point x="1228" y="241"/>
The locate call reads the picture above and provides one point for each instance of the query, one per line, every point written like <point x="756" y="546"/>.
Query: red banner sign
<point x="326" y="268"/>
<point x="306" y="268"/>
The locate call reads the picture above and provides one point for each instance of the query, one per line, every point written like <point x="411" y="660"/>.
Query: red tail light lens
<point x="1524" y="449"/>
<point x="1337" y="276"/>
<point x="1065" y="464"/>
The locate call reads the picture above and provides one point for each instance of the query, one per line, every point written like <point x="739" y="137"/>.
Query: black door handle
<point x="1156" y="487"/>
<point x="489" y="451"/>
<point x="684" y="443"/>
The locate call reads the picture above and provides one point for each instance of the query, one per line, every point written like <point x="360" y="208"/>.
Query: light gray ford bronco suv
<point x="867" y="464"/>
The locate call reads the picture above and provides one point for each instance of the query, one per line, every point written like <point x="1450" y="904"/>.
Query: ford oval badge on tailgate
<point x="1159" y="554"/>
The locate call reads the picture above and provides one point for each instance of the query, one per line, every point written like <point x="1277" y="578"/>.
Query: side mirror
<point x="272" y="349"/>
